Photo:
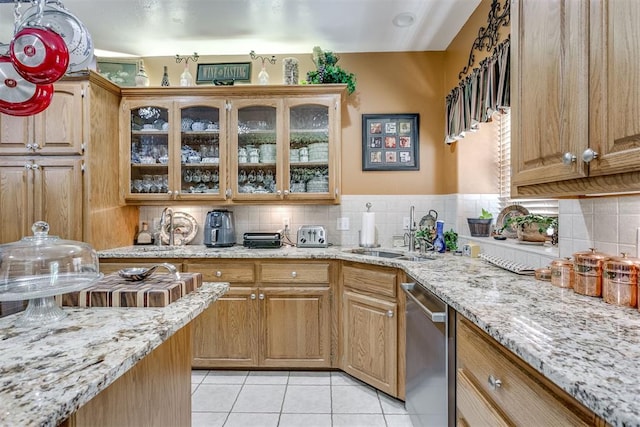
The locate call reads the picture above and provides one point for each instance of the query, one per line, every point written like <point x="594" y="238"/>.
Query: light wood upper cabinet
<point x="265" y="144"/>
<point x="40" y="189"/>
<point x="52" y="132"/>
<point x="575" y="97"/>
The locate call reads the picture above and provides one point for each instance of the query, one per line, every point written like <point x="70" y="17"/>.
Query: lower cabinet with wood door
<point x="276" y="314"/>
<point x="369" y="325"/>
<point x="495" y="387"/>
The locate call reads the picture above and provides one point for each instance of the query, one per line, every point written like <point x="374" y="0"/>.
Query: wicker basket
<point x="480" y="227"/>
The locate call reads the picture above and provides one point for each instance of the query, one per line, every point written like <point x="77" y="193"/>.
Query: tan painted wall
<point x="405" y="82"/>
<point x="472" y="160"/>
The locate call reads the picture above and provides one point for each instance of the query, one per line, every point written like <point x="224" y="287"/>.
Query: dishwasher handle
<point x="435" y="316"/>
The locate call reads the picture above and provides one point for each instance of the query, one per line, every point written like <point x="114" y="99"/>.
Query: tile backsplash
<point x="609" y="224"/>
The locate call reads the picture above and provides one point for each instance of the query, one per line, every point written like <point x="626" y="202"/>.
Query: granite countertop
<point x="587" y="347"/>
<point x="48" y="371"/>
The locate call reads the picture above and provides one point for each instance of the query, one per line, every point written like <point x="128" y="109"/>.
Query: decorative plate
<point x="185" y="223"/>
<point x="506" y="213"/>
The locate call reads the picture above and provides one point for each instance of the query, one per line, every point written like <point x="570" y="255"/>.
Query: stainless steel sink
<point x="376" y="253"/>
<point x="402" y="256"/>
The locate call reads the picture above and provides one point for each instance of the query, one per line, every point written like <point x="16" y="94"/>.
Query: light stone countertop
<point x="587" y="347"/>
<point x="49" y="371"/>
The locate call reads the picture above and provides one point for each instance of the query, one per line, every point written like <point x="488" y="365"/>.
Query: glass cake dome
<point x="38" y="267"/>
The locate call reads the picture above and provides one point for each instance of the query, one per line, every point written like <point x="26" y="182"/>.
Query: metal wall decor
<point x="499" y="16"/>
<point x="186" y="59"/>
<point x="271" y="60"/>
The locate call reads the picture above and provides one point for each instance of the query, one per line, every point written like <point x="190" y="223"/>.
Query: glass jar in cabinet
<point x="313" y="149"/>
<point x="255" y="158"/>
<point x="201" y="150"/>
<point x="148" y="163"/>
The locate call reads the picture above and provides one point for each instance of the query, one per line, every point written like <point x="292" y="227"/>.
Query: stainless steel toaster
<point x="312" y="236"/>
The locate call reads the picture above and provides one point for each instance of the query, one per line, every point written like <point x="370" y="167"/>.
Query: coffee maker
<point x="219" y="230"/>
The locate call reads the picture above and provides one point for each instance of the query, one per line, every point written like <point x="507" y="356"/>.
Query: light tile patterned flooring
<point x="290" y="399"/>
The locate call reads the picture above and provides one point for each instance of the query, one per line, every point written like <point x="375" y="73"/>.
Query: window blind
<point x="502" y="123"/>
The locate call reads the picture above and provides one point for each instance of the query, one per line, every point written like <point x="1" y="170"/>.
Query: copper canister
<point x="543" y="274"/>
<point x="588" y="269"/>
<point x="620" y="280"/>
<point x="562" y="273"/>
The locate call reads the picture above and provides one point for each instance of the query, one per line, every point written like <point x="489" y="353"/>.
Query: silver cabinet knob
<point x="294" y="274"/>
<point x="35" y="146"/>
<point x="494" y="382"/>
<point x="27" y="166"/>
<point x="35" y="166"/>
<point x="389" y="313"/>
<point x="30" y="147"/>
<point x="169" y="192"/>
<point x="279" y="192"/>
<point x="568" y="158"/>
<point x="218" y="273"/>
<point x="286" y="192"/>
<point x="253" y="296"/>
<point x="261" y="296"/>
<point x="589" y="155"/>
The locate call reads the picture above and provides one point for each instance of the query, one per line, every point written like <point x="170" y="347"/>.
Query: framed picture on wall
<point x="390" y="142"/>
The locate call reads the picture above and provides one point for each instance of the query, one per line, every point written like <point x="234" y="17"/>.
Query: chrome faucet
<point x="412" y="229"/>
<point x="163" y="222"/>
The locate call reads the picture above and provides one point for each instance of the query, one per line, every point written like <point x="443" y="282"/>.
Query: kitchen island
<point x="55" y="373"/>
<point x="586" y="347"/>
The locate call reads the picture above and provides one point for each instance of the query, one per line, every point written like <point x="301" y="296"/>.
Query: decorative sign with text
<point x="224" y="72"/>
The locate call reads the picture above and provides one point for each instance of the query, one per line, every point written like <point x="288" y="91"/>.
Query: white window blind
<point x="502" y="123"/>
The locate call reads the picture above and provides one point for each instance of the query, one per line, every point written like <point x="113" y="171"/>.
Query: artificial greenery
<point x="451" y="240"/>
<point x="485" y="214"/>
<point x="328" y="72"/>
<point x="544" y="222"/>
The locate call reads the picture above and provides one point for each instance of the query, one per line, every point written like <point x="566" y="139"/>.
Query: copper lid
<point x="622" y="263"/>
<point x="590" y="257"/>
<point x="563" y="262"/>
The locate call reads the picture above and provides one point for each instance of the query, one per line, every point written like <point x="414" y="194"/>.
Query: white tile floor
<point x="290" y="399"/>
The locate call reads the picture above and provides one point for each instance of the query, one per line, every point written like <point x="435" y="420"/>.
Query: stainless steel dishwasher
<point x="430" y="358"/>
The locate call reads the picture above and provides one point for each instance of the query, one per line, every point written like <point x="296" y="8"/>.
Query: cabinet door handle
<point x="261" y="296"/>
<point x="279" y="192"/>
<point x="389" y="313"/>
<point x="35" y="166"/>
<point x="568" y="158"/>
<point x="218" y="273"/>
<point x="494" y="382"/>
<point x="294" y="274"/>
<point x="588" y="155"/>
<point x="169" y="192"/>
<point x="35" y="146"/>
<point x="27" y="166"/>
<point x="286" y="192"/>
<point x="253" y="296"/>
<point x="29" y="146"/>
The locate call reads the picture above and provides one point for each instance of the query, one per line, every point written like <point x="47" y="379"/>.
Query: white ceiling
<point x="232" y="27"/>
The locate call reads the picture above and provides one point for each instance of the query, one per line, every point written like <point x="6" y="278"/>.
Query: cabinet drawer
<point x="472" y="407"/>
<point x="370" y="279"/>
<point x="523" y="394"/>
<point x="232" y="272"/>
<point x="291" y="273"/>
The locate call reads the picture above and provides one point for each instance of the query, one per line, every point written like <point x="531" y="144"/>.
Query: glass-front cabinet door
<point x="313" y="161"/>
<point x="256" y="150"/>
<point x="148" y="172"/>
<point x="201" y="150"/>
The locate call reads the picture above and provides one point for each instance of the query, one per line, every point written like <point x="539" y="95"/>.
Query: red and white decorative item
<point x="19" y="97"/>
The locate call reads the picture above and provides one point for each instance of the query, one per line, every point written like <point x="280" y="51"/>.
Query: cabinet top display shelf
<point x="252" y="91"/>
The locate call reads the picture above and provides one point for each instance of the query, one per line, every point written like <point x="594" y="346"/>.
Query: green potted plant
<point x="451" y="240"/>
<point x="481" y="226"/>
<point x="328" y="72"/>
<point x="531" y="227"/>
